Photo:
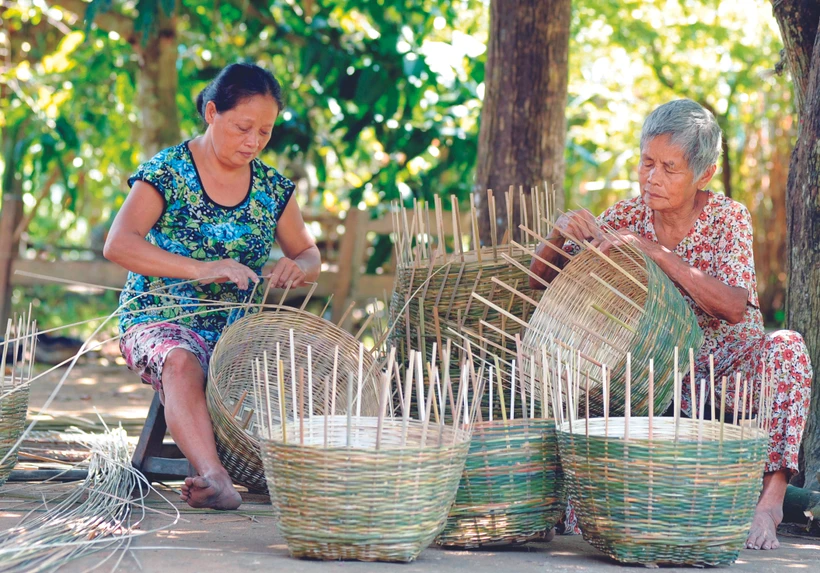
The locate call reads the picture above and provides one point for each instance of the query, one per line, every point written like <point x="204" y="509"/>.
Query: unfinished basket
<point x="13" y="410"/>
<point x="511" y="490"/>
<point x="350" y="500"/>
<point x="432" y="293"/>
<point x="333" y="352"/>
<point x="605" y="307"/>
<point x="20" y="344"/>
<point x="684" y="501"/>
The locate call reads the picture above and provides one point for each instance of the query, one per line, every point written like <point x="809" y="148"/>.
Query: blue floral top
<point x="193" y="225"/>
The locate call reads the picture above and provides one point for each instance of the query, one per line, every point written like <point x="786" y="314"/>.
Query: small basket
<point x="230" y="394"/>
<point x="355" y="502"/>
<point x="664" y="501"/>
<point x="511" y="490"/>
<point x="13" y="410"/>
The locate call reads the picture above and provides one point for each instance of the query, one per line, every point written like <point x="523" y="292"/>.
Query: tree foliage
<point x="382" y="99"/>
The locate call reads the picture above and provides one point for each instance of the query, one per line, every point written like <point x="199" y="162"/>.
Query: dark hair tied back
<point x="236" y="83"/>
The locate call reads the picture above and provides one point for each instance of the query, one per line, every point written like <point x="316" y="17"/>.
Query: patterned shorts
<point x="145" y="347"/>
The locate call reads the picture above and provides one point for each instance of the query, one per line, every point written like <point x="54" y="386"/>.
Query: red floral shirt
<point x="720" y="245"/>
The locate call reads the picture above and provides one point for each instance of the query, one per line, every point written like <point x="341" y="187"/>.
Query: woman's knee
<point x="182" y="367"/>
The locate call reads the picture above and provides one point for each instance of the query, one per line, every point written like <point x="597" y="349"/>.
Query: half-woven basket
<point x="664" y="501"/>
<point x="230" y="394"/>
<point x="349" y="500"/>
<point x="603" y="312"/>
<point x="13" y="410"/>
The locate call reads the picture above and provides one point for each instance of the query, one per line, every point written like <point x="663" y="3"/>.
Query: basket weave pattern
<point x="13" y="410"/>
<point x="230" y="394"/>
<point x="357" y="502"/>
<point x="661" y="321"/>
<point x="511" y="490"/>
<point x="449" y="294"/>
<point x="662" y="501"/>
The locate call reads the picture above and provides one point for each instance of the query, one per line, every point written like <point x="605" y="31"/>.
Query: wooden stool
<point x="155" y="459"/>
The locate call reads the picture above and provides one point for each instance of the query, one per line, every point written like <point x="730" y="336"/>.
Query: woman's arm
<point x="126" y="245"/>
<point x="302" y="262"/>
<point x="712" y="295"/>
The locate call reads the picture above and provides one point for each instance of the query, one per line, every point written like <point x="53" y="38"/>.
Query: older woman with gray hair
<point x="703" y="241"/>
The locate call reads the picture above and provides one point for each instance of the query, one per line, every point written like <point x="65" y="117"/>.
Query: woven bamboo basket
<point x="596" y="309"/>
<point x="433" y="289"/>
<point x="352" y="501"/>
<point x="13" y="410"/>
<point x="664" y="501"/>
<point x="511" y="490"/>
<point x="445" y="302"/>
<point x="230" y="396"/>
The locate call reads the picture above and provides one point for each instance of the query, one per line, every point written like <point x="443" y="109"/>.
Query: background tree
<point x="523" y="127"/>
<point x="798" y="20"/>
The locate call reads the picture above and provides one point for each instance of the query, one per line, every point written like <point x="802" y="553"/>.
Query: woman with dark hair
<point x="198" y="226"/>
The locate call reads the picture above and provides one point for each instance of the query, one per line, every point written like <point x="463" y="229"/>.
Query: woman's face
<point x="667" y="183"/>
<point x="241" y="133"/>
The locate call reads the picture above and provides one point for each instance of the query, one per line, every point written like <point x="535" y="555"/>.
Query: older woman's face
<point x="241" y="133"/>
<point x="666" y="181"/>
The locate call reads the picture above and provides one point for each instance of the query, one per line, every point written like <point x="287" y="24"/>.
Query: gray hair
<point x="691" y="127"/>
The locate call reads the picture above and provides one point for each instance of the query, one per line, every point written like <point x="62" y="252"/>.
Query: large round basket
<point x="355" y="502"/>
<point x="230" y="395"/>
<point x="605" y="307"/>
<point x="13" y="409"/>
<point x="511" y="490"/>
<point x="662" y="501"/>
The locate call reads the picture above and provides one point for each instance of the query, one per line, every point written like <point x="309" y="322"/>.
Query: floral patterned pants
<point x="788" y="374"/>
<point x="145" y="347"/>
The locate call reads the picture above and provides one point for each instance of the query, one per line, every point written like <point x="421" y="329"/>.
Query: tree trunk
<point x="157" y="84"/>
<point x="798" y="21"/>
<point x="10" y="216"/>
<point x="523" y="127"/>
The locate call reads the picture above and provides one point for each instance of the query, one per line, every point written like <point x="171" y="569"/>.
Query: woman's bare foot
<point x="214" y="491"/>
<point x="763" y="534"/>
<point x="769" y="512"/>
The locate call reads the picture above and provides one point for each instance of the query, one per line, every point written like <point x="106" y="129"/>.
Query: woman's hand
<point x="623" y="238"/>
<point x="286" y="270"/>
<point x="577" y="226"/>
<point x="226" y="270"/>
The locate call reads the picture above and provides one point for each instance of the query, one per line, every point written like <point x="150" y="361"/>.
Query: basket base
<point x="489" y="531"/>
<point x="660" y="552"/>
<point x="397" y="553"/>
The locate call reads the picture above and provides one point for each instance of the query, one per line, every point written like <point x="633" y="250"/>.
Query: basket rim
<point x="641" y="423"/>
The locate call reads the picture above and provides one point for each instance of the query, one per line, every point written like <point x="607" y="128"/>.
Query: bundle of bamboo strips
<point x="369" y="488"/>
<point x="666" y="490"/>
<point x="102" y="513"/>
<point x="445" y="280"/>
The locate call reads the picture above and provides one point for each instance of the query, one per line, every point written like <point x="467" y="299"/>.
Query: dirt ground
<point x="247" y="540"/>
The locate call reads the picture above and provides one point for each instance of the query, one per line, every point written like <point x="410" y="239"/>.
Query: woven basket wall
<point x="448" y="294"/>
<point x="13" y="410"/>
<point x="659" y="320"/>
<point x="511" y="490"/>
<point x="341" y="502"/>
<point x="230" y="395"/>
<point x="660" y="501"/>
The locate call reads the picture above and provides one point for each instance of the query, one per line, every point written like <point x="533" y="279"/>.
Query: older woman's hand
<point x="622" y="238"/>
<point x="577" y="226"/>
